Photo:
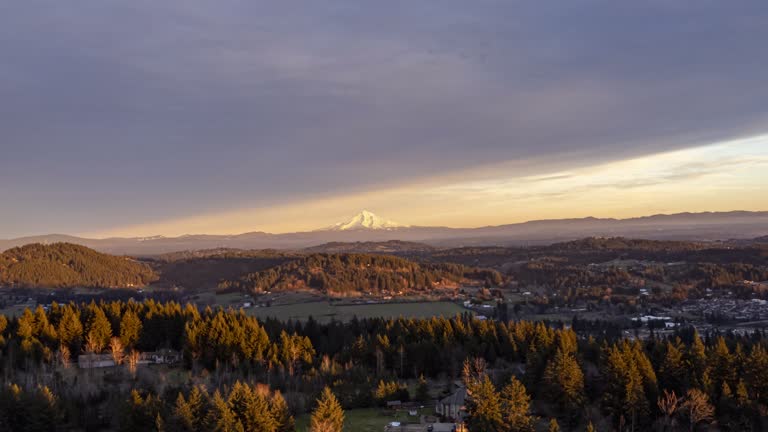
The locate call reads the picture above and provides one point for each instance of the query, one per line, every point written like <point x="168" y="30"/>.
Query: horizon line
<point x="404" y="227"/>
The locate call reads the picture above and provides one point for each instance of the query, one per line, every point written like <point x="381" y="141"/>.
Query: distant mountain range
<point x="367" y="227"/>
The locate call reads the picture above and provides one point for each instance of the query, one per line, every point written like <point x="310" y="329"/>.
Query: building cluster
<point x="94" y="361"/>
<point x="451" y="409"/>
<point x="729" y="308"/>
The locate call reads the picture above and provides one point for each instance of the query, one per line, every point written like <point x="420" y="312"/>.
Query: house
<point x="452" y="406"/>
<point x="163" y="356"/>
<point x="92" y="361"/>
<point x="442" y="427"/>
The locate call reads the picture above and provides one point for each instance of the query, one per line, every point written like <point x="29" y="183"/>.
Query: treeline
<point x="61" y="265"/>
<point x="598" y="250"/>
<point x="622" y="243"/>
<point x="201" y="270"/>
<point x="239" y="408"/>
<point x="348" y="273"/>
<point x="626" y="384"/>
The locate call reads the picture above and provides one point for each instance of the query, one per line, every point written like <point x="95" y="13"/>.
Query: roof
<point x="457" y="398"/>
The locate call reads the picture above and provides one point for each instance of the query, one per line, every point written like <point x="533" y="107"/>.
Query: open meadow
<point x="325" y="311"/>
<point x="366" y="419"/>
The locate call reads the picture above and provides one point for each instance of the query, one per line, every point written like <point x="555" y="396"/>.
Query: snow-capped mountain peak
<point x="365" y="220"/>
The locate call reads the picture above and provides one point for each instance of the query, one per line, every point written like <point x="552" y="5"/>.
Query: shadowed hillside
<point x="348" y="273"/>
<point x="65" y="265"/>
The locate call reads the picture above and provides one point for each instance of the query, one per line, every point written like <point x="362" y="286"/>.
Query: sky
<point x="143" y="118"/>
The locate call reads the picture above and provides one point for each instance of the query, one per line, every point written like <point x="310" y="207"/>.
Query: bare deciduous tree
<point x="92" y="345"/>
<point x="668" y="404"/>
<point x="133" y="361"/>
<point x="697" y="407"/>
<point x="64" y="356"/>
<point x="116" y="349"/>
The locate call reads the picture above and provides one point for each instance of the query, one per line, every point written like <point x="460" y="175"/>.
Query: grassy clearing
<point x="17" y="309"/>
<point x="364" y="419"/>
<point x="324" y="311"/>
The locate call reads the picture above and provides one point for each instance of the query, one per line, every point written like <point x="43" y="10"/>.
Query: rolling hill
<point x="345" y="274"/>
<point x="66" y="265"/>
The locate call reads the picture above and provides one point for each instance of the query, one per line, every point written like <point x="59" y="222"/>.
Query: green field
<point x="16" y="310"/>
<point x="364" y="419"/>
<point x="325" y="311"/>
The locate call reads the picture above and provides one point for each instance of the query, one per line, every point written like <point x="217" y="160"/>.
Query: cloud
<point x="142" y="112"/>
<point x="699" y="179"/>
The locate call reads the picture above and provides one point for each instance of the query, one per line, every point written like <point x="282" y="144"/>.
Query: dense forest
<point x="61" y="265"/>
<point x="203" y="270"/>
<point x="596" y="250"/>
<point x="245" y="374"/>
<point x="354" y="273"/>
<point x="386" y="247"/>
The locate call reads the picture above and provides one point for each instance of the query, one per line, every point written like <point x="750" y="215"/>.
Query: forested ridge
<point x="65" y="265"/>
<point x="259" y="374"/>
<point x="202" y="270"/>
<point x="351" y="273"/>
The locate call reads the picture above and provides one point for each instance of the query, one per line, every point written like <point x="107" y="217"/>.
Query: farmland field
<point x="364" y="419"/>
<point x="325" y="311"/>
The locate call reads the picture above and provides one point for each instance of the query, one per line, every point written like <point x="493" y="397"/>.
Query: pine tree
<point x="328" y="415"/>
<point x="295" y="348"/>
<point x="697" y="360"/>
<point x="565" y="382"/>
<point x="222" y="418"/>
<point x="184" y="417"/>
<point x="553" y="426"/>
<point x="258" y="414"/>
<point x="484" y="406"/>
<point x="515" y="404"/>
<point x="281" y="413"/>
<point x="721" y="366"/>
<point x="189" y="413"/>
<point x="130" y="329"/>
<point x="99" y="330"/>
<point x="742" y="396"/>
<point x="756" y="374"/>
<point x="673" y="371"/>
<point x="635" y="399"/>
<point x="70" y="329"/>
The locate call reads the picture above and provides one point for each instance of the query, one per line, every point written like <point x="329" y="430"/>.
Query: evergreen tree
<point x="281" y="413"/>
<point x="756" y="373"/>
<point x="484" y="406"/>
<point x="565" y="382"/>
<point x="130" y="329"/>
<point x="721" y="366"/>
<point x="328" y="415"/>
<point x="99" y="330"/>
<point x="222" y="418"/>
<point x="553" y="426"/>
<point x="515" y="404"/>
<point x="673" y="371"/>
<point x="70" y="329"/>
<point x="697" y="361"/>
